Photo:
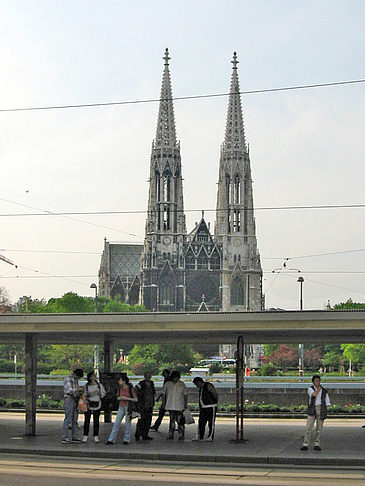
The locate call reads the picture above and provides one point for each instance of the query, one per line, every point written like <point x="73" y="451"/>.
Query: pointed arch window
<point x="158" y="188"/>
<point x="228" y="189"/>
<point x="237" y="291"/>
<point x="236" y="220"/>
<point x="202" y="261"/>
<point x="166" y="294"/>
<point x="166" y="217"/>
<point x="190" y="260"/>
<point x="215" y="261"/>
<point x="166" y="187"/>
<point x="237" y="190"/>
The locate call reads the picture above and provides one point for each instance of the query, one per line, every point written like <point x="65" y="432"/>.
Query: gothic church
<point x="197" y="271"/>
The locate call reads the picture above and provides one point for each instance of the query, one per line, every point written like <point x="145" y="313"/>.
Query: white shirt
<point x="318" y="397"/>
<point x="175" y="393"/>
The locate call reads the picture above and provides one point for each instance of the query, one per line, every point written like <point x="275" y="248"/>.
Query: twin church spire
<point x="171" y="276"/>
<point x="235" y="131"/>
<point x="166" y="131"/>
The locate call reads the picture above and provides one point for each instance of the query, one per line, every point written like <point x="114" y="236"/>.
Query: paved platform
<point x="269" y="441"/>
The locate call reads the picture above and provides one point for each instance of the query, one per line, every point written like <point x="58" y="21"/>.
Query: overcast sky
<point x="306" y="146"/>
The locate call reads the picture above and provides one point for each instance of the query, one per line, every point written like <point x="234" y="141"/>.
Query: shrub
<point x="60" y="372"/>
<point x="268" y="370"/>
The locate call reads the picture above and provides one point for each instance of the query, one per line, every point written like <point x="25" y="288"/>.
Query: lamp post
<point x="301" y="347"/>
<point x="96" y="347"/>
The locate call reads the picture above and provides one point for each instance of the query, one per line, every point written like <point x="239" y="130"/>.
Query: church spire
<point x="166" y="131"/>
<point x="235" y="132"/>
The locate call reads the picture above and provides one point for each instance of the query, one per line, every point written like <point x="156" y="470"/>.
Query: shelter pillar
<point x="108" y="355"/>
<point x="30" y="383"/>
<point x="108" y="367"/>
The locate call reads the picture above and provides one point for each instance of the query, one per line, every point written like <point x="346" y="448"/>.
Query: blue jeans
<point x="71" y="416"/>
<point x="122" y="411"/>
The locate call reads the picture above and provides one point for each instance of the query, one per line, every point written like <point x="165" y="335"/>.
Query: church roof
<point x="125" y="259"/>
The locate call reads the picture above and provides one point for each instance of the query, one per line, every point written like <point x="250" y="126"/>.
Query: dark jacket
<point x="312" y="407"/>
<point x="142" y="391"/>
<point x="206" y="396"/>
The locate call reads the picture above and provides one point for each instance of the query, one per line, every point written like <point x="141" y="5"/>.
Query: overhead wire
<point x="141" y="211"/>
<point x="178" y="98"/>
<point x="46" y="212"/>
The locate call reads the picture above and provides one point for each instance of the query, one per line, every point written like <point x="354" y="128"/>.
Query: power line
<point x="143" y="211"/>
<point x="53" y="251"/>
<point x="192" y="97"/>
<point x="313" y="255"/>
<point x="326" y="284"/>
<point x="45" y="212"/>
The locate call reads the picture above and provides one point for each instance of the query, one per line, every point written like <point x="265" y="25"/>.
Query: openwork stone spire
<point x="166" y="131"/>
<point x="235" y="131"/>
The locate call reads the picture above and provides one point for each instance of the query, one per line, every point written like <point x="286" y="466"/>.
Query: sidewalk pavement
<point x="269" y="441"/>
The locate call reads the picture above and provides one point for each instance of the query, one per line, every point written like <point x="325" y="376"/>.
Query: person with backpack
<point x="125" y="396"/>
<point x="94" y="392"/>
<point x="208" y="404"/>
<point x="146" y="400"/>
<point x="317" y="411"/>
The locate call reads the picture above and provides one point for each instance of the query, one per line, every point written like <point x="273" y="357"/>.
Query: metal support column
<point x="239" y="391"/>
<point x="108" y="367"/>
<point x="30" y="383"/>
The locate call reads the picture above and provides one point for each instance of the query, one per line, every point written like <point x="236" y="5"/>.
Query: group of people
<point x="139" y="401"/>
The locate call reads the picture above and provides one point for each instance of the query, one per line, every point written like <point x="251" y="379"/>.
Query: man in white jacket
<point x="176" y="399"/>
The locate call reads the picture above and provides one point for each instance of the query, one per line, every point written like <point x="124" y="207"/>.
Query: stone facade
<point x="195" y="271"/>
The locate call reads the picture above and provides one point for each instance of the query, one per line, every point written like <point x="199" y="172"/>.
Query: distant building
<point x="119" y="272"/>
<point x="195" y="271"/>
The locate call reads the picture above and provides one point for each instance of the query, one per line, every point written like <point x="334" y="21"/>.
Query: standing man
<point x="176" y="399"/>
<point x="317" y="411"/>
<point x="146" y="400"/>
<point x="208" y="404"/>
<point x="162" y="410"/>
<point x="72" y="393"/>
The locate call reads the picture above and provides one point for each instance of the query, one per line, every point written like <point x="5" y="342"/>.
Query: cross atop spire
<point x="166" y="57"/>
<point x="166" y="131"/>
<point x="234" y="62"/>
<point x="235" y="132"/>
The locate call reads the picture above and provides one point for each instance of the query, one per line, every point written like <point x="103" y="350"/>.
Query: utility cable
<point x="178" y="98"/>
<point x="143" y="211"/>
<point x="45" y="212"/>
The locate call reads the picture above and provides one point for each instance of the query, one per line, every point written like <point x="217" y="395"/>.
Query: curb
<point x="267" y="415"/>
<point x="189" y="458"/>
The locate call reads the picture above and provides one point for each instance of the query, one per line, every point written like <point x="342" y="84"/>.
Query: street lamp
<point x="301" y="347"/>
<point x="94" y="286"/>
<point x="96" y="347"/>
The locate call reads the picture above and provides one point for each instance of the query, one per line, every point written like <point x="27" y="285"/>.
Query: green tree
<point x="155" y="357"/>
<point x="355" y="353"/>
<point x="349" y="305"/>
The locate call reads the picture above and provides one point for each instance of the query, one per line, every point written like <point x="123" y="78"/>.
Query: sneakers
<point x="147" y="438"/>
<point x="196" y="439"/>
<point x="209" y="439"/>
<point x="96" y="439"/>
<point x="66" y="441"/>
<point x="84" y="439"/>
<point x="304" y="448"/>
<point x="317" y="448"/>
<point x="109" y="442"/>
<point x="76" y="441"/>
<point x="125" y="442"/>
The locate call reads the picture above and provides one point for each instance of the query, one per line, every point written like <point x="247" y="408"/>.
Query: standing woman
<point x="94" y="392"/>
<point x="126" y="395"/>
